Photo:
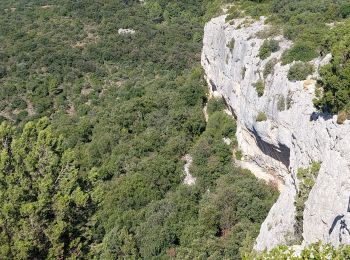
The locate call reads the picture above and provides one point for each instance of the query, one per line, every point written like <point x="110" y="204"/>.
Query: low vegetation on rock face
<point x="259" y="87"/>
<point x="342" y="116"/>
<point x="281" y="103"/>
<point x="231" y="44"/>
<point x="300" y="71"/>
<point x="269" y="67"/>
<point x="289" y="99"/>
<point x="300" y="51"/>
<point x="268" y="47"/>
<point x="261" y="117"/>
<point x="316" y="28"/>
<point x="215" y="105"/>
<point x="306" y="178"/>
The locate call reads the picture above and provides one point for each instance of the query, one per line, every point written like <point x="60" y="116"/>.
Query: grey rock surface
<point x="293" y="136"/>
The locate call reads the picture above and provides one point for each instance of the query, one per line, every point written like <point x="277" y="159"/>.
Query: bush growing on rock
<point x="281" y="104"/>
<point x="260" y="87"/>
<point x="233" y="13"/>
<point x="307" y="178"/>
<point x="268" y="47"/>
<point x="238" y="155"/>
<point x="231" y="44"/>
<point x="301" y="51"/>
<point x="289" y="100"/>
<point x="215" y="105"/>
<point x="271" y="31"/>
<point x="269" y="67"/>
<point x="261" y="117"/>
<point x="342" y="116"/>
<point x="300" y="71"/>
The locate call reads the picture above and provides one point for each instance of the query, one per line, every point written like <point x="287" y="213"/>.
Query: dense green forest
<point x="95" y="126"/>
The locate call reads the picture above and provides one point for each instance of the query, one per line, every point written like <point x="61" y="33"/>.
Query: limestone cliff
<point x="293" y="135"/>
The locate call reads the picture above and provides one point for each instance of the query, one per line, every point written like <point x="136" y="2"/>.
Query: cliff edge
<point x="291" y="135"/>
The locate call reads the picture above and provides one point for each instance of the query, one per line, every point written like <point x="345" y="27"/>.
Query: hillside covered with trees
<point x="95" y="126"/>
<point x="96" y="122"/>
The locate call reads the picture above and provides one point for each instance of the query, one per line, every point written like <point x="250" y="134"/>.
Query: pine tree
<point x="44" y="201"/>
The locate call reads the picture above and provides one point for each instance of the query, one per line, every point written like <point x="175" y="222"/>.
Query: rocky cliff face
<point x="293" y="136"/>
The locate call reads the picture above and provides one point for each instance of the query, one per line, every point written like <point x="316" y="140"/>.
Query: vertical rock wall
<point x="290" y="138"/>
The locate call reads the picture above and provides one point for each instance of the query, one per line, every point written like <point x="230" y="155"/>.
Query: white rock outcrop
<point x="122" y="31"/>
<point x="293" y="135"/>
<point x="189" y="179"/>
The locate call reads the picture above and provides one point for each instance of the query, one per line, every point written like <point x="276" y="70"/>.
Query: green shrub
<point x="301" y="51"/>
<point x="268" y="32"/>
<point x="233" y="13"/>
<point x="344" y="11"/>
<point x="238" y="155"/>
<point x="18" y="103"/>
<point x="256" y="8"/>
<point x="343" y="115"/>
<point x="21" y="116"/>
<point x="269" y="67"/>
<point x="268" y="47"/>
<point x="2" y="119"/>
<point x="260" y="87"/>
<point x="215" y="105"/>
<point x="231" y="44"/>
<point x="3" y="72"/>
<point x="307" y="178"/>
<point x="261" y="117"/>
<point x="300" y="71"/>
<point x="335" y="79"/>
<point x="281" y="104"/>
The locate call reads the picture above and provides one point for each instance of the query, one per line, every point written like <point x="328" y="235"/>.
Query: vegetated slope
<point x="316" y="28"/>
<point x="128" y="107"/>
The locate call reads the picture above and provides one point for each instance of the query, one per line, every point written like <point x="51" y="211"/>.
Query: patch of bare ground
<point x="30" y="107"/>
<point x="71" y="109"/>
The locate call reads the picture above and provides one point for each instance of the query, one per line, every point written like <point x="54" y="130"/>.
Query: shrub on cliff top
<point x="301" y="51"/>
<point x="233" y="13"/>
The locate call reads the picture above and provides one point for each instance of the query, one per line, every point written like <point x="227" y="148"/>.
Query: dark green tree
<point x="44" y="203"/>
